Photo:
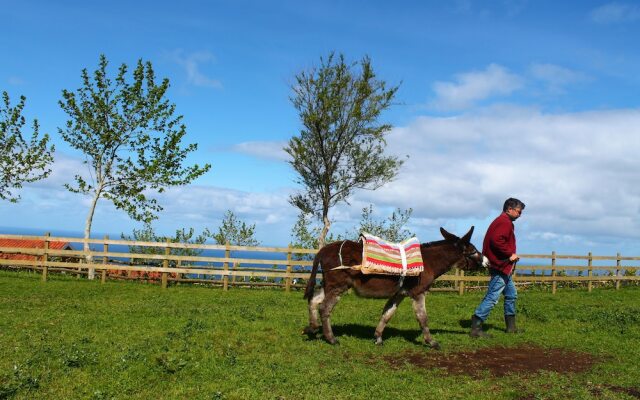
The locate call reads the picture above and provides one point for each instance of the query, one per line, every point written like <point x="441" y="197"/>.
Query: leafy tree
<point x="392" y="228"/>
<point x="147" y="234"/>
<point x="20" y="161"/>
<point x="340" y="147"/>
<point x="304" y="233"/>
<point x="235" y="232"/>
<point x="131" y="140"/>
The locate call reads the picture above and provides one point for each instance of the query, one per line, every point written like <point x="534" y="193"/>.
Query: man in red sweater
<point x="499" y="247"/>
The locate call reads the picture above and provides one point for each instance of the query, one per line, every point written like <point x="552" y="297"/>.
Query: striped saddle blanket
<point x="382" y="257"/>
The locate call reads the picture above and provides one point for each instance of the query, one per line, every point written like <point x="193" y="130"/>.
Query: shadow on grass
<point x="466" y="324"/>
<point x="366" y="332"/>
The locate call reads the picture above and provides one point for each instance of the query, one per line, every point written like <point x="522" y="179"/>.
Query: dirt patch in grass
<point x="497" y="361"/>
<point x="633" y="392"/>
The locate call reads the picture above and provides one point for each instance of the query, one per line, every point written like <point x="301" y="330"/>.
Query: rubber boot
<point x="476" y="328"/>
<point x="510" y="321"/>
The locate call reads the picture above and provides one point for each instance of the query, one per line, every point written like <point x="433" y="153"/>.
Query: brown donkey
<point x="438" y="257"/>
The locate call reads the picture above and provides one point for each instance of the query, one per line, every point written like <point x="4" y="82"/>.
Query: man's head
<point x="513" y="208"/>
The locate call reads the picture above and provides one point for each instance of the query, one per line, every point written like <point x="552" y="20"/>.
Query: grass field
<point x="76" y="339"/>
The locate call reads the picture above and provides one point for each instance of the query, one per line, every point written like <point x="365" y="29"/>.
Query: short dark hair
<point x="512" y="203"/>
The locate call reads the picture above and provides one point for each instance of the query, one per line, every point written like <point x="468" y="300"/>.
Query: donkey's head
<point x="471" y="258"/>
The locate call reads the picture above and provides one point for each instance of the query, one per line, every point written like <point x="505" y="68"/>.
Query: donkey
<point x="438" y="257"/>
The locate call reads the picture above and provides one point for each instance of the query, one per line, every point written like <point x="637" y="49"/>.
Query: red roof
<point x="29" y="244"/>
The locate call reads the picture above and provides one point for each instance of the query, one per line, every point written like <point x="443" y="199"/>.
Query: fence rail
<point x="285" y="267"/>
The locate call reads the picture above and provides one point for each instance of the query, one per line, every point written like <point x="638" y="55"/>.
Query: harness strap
<point x="403" y="256"/>
<point x="341" y="266"/>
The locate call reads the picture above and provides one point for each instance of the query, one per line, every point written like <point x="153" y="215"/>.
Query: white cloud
<point x="16" y="81"/>
<point x="555" y="76"/>
<point x="577" y="173"/>
<point x="266" y="150"/>
<point x="480" y="9"/>
<point x="615" y="13"/>
<point x="204" y="206"/>
<point x="63" y="169"/>
<point x="472" y="87"/>
<point x="47" y="204"/>
<point x="192" y="63"/>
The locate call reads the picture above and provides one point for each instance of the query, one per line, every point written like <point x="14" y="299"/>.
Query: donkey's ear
<point x="447" y="235"/>
<point x="467" y="237"/>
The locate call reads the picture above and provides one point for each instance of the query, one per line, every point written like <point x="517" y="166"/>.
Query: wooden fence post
<point x="45" y="257"/>
<point x="165" y="264"/>
<point x="455" y="282"/>
<point x="179" y="275"/>
<point x="461" y="285"/>
<point x="85" y="256"/>
<point x="554" y="284"/>
<point x="618" y="271"/>
<point x="590" y="272"/>
<point x="235" y="278"/>
<point x="105" y="259"/>
<point x="225" y="267"/>
<point x="287" y="285"/>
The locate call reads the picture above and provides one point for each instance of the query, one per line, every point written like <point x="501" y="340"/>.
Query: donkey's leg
<point x="389" y="309"/>
<point x="314" y="315"/>
<point x="330" y="300"/>
<point x="421" y="315"/>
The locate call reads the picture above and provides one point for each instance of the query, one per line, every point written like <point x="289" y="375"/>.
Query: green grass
<point x="76" y="339"/>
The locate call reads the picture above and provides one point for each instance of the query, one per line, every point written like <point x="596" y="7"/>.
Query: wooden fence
<point x="286" y="267"/>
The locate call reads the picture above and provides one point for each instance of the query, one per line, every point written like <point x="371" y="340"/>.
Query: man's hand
<point x="514" y="258"/>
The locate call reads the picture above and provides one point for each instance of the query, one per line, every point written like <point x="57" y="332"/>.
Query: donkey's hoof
<point x="379" y="341"/>
<point x="333" y="341"/>
<point x="309" y="331"/>
<point x="434" y="345"/>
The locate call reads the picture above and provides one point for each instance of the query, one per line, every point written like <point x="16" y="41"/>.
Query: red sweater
<point x="500" y="243"/>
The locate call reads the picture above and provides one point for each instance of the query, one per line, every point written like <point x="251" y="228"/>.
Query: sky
<point x="536" y="100"/>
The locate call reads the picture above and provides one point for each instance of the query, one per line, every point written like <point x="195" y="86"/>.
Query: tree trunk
<point x="325" y="230"/>
<point x="87" y="234"/>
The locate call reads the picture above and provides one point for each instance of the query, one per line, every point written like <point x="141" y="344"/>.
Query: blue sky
<point x="536" y="100"/>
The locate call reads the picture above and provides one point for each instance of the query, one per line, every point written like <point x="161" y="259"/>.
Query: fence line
<point x="288" y="272"/>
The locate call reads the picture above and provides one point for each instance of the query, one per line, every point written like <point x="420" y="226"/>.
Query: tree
<point x="340" y="147"/>
<point x="304" y="233"/>
<point x="20" y="161"/>
<point x="130" y="138"/>
<point x="392" y="228"/>
<point x="235" y="232"/>
<point x="148" y="234"/>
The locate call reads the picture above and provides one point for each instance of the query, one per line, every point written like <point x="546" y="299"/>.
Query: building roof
<point x="29" y="244"/>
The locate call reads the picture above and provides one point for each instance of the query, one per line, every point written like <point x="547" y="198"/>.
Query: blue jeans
<point x="498" y="284"/>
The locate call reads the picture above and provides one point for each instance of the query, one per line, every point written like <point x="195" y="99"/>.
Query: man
<point x="499" y="247"/>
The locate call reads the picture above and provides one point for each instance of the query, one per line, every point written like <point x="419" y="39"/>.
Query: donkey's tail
<point x="308" y="292"/>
